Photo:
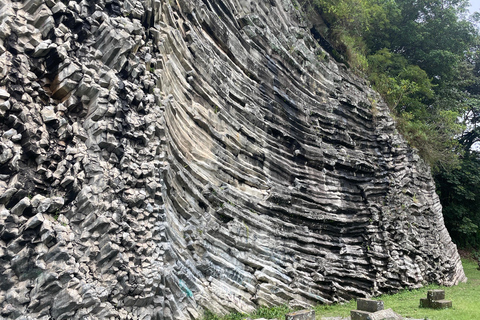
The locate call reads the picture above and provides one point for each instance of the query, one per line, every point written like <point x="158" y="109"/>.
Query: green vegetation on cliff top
<point x="423" y="57"/>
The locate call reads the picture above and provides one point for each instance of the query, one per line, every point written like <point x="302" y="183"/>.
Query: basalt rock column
<point x="160" y="158"/>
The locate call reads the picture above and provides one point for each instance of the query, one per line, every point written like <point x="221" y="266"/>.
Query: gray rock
<point x="6" y="153"/>
<point x="301" y="315"/>
<point x="44" y="48"/>
<point x="34" y="221"/>
<point x="56" y="203"/>
<point x="4" y="106"/>
<point x="369" y="305"/>
<point x="386" y="314"/>
<point x="7" y="194"/>
<point x="36" y="200"/>
<point x="9" y="133"/>
<point x="44" y="205"/>
<point x="67" y="180"/>
<point x="21" y="206"/>
<point x="65" y="304"/>
<point x="59" y="7"/>
<point x="179" y="162"/>
<point x="17" y="137"/>
<point x="48" y="114"/>
<point x="4" y="94"/>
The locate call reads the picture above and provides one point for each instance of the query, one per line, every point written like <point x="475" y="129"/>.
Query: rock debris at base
<point x="161" y="158"/>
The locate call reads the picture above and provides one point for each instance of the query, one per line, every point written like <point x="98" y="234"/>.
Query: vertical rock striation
<point x="160" y="158"/>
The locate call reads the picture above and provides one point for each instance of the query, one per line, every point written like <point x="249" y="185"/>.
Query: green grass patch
<point x="262" y="312"/>
<point x="465" y="298"/>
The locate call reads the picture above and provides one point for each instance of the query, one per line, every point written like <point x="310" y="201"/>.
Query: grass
<point x="465" y="298"/>
<point x="262" y="312"/>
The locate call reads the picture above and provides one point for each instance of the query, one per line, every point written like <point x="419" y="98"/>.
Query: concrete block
<point x="424" y="303"/>
<point x="440" y="304"/>
<point x="301" y="315"/>
<point x="436" y="295"/>
<point x="369" y="305"/>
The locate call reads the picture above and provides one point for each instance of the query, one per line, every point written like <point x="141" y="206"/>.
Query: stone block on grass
<point x="424" y="303"/>
<point x="435" y="300"/>
<point x="436" y="295"/>
<point x="440" y="304"/>
<point x="369" y="305"/>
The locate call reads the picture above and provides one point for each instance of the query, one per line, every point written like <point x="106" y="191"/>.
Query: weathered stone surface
<point x="21" y="206"/>
<point x="440" y="304"/>
<point x="369" y="305"/>
<point x="436" y="294"/>
<point x="48" y="114"/>
<point x="424" y="303"/>
<point x="359" y="315"/>
<point x="301" y="315"/>
<point x="4" y="94"/>
<point x="171" y="157"/>
<point x="386" y="314"/>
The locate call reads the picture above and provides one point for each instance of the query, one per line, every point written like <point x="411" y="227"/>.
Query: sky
<point x="474" y="5"/>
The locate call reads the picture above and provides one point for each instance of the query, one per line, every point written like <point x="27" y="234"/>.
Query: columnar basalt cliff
<point x="160" y="158"/>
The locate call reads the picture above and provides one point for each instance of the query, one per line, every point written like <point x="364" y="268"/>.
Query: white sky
<point x="474" y="5"/>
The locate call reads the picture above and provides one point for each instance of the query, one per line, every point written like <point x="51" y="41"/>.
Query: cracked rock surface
<point x="160" y="158"/>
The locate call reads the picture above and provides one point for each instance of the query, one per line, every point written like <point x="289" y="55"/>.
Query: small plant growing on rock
<point x="415" y="198"/>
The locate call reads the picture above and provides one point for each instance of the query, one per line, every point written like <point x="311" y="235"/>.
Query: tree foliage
<point x="423" y="57"/>
<point x="460" y="197"/>
<point x="429" y="33"/>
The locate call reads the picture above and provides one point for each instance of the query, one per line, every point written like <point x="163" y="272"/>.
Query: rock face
<point x="160" y="158"/>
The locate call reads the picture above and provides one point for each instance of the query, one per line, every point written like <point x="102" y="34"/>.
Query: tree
<point x="460" y="197"/>
<point x="423" y="58"/>
<point x="430" y="34"/>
